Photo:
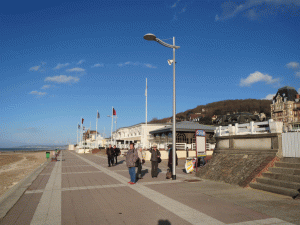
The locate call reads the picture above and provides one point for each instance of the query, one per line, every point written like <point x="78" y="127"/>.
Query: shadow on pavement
<point x="164" y="222"/>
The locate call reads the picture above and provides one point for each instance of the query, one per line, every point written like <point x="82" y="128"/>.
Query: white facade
<point x="138" y="134"/>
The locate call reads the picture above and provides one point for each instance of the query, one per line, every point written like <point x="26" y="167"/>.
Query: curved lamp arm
<point x="152" y="37"/>
<point x="166" y="44"/>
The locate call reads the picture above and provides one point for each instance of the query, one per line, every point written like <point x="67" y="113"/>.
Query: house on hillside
<point x="286" y="108"/>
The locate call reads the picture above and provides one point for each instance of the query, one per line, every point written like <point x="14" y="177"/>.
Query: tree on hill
<point x="223" y="108"/>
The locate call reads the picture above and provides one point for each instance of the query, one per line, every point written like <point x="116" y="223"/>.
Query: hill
<point x="223" y="108"/>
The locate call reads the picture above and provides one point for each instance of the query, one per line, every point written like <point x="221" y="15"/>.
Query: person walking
<point x="117" y="153"/>
<point x="140" y="161"/>
<point x="170" y="161"/>
<point x="155" y="154"/>
<point x="110" y="156"/>
<point x="131" y="158"/>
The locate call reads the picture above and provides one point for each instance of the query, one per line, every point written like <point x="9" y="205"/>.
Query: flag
<point x="78" y="126"/>
<point x="98" y="115"/>
<point x="114" y="112"/>
<point x="82" y="121"/>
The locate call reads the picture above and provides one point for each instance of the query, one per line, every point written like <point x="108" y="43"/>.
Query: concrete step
<point x="289" y="171"/>
<point x="274" y="189"/>
<point x="287" y="165"/>
<point x="278" y="183"/>
<point x="290" y="160"/>
<point x="280" y="176"/>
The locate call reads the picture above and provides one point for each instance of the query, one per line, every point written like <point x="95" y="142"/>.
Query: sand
<point x="16" y="166"/>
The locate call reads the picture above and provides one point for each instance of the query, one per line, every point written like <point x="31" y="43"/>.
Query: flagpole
<point x="116" y="131"/>
<point x="146" y="94"/>
<point x="81" y="133"/>
<point x="77" y="133"/>
<point x="96" y="128"/>
<point x="112" y="123"/>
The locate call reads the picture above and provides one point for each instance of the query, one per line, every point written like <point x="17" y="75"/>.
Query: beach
<point x="15" y="166"/>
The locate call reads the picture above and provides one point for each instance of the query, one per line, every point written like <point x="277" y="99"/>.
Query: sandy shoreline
<point x="14" y="166"/>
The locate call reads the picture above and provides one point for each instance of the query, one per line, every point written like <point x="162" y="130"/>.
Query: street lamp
<point x="152" y="37"/>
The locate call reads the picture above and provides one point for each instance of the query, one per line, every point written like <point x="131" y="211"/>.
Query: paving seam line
<point x="183" y="211"/>
<point x="10" y="197"/>
<point x="48" y="210"/>
<point x="101" y="186"/>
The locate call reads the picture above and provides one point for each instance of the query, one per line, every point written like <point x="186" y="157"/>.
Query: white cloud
<point x="149" y="65"/>
<point x="38" y="93"/>
<point x="298" y="74"/>
<point x="46" y="86"/>
<point x="98" y="65"/>
<point x="60" y="65"/>
<point x="136" y="64"/>
<point x="34" y="68"/>
<point x="269" y="96"/>
<point x="258" y="77"/>
<point x="76" y="69"/>
<point x="81" y="61"/>
<point x="292" y="65"/>
<point x="230" y="9"/>
<point x="62" y="79"/>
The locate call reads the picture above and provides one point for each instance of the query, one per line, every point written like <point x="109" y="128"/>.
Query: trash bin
<point x="47" y="155"/>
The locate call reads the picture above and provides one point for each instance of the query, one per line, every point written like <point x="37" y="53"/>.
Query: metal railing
<point x="242" y="129"/>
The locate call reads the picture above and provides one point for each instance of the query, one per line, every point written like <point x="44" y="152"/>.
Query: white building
<point x="90" y="140"/>
<point x="138" y="134"/>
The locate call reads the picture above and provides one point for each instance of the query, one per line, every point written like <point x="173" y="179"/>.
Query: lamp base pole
<point x="173" y="177"/>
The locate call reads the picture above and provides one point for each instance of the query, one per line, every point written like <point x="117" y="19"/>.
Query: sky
<point x="61" y="61"/>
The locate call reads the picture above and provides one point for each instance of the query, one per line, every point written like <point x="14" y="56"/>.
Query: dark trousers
<point x="154" y="165"/>
<point x="116" y="157"/>
<point x="139" y="170"/>
<point x="110" y="160"/>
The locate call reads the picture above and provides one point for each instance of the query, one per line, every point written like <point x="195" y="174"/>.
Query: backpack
<point x="168" y="174"/>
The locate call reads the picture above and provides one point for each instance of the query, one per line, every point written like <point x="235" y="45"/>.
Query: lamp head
<point x="149" y="37"/>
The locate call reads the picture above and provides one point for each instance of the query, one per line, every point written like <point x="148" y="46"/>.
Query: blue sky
<point x="63" y="60"/>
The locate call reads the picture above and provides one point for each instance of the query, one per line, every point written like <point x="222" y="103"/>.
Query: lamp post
<point x="152" y="37"/>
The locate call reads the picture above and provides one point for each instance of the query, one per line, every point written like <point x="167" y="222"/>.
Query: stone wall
<point x="239" y="169"/>
<point x="238" y="159"/>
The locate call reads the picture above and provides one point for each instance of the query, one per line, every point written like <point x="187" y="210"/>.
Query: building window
<point x="181" y="138"/>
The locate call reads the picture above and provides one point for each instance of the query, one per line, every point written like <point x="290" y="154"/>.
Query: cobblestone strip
<point x="49" y="208"/>
<point x="185" y="212"/>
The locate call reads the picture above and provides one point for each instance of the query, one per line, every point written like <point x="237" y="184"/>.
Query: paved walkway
<point x="81" y="189"/>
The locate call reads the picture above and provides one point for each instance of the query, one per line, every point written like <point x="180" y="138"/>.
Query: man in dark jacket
<point x="170" y="161"/>
<point x="110" y="155"/>
<point x="117" y="153"/>
<point x="155" y="154"/>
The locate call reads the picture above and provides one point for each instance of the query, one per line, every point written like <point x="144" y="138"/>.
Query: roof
<point x="288" y="92"/>
<point x="186" y="126"/>
<point x="151" y="124"/>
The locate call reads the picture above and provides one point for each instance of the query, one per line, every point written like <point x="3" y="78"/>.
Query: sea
<point x="27" y="149"/>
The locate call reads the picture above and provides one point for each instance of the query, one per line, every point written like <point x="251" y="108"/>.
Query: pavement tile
<point x="114" y="206"/>
<point x="87" y="179"/>
<point x="23" y="210"/>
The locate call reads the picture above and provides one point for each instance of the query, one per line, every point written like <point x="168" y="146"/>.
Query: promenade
<point x="82" y="189"/>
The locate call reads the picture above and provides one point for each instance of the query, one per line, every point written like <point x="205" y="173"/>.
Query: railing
<point x="242" y="129"/>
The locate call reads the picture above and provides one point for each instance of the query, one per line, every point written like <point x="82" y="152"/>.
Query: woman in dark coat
<point x="155" y="154"/>
<point x="170" y="161"/>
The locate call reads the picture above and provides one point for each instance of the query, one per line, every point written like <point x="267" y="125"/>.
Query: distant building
<point x="241" y="117"/>
<point x="286" y="108"/>
<point x="138" y="134"/>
